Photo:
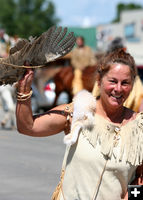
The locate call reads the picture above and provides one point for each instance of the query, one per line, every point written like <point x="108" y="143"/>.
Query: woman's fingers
<point x="24" y="85"/>
<point x="29" y="75"/>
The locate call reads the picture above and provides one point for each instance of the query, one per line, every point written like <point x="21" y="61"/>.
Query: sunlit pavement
<point x="29" y="167"/>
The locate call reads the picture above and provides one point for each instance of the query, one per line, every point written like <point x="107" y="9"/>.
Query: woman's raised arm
<point x="49" y="123"/>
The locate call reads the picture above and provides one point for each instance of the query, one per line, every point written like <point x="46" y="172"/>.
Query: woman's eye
<point x="112" y="81"/>
<point x="125" y="83"/>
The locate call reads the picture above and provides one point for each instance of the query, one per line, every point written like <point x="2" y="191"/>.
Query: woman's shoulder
<point x="132" y="115"/>
<point x="134" y="121"/>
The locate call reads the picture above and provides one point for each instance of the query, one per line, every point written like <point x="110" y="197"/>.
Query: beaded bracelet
<point x="24" y="97"/>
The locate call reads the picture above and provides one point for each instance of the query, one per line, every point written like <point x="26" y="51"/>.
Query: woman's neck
<point x="112" y="114"/>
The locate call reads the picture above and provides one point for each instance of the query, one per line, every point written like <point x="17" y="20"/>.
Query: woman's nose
<point x="118" y="87"/>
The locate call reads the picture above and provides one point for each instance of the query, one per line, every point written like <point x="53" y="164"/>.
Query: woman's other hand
<point x="126" y="196"/>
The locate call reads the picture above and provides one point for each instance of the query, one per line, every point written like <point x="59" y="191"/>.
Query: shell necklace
<point x="118" y="129"/>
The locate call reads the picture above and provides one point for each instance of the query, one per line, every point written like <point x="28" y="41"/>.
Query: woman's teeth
<point x="117" y="97"/>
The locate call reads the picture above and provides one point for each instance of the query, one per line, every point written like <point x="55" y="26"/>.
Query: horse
<point x="63" y="80"/>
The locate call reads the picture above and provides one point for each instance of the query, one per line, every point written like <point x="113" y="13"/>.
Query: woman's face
<point x="116" y="85"/>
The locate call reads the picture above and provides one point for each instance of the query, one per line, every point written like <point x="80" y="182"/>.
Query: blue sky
<point x="87" y="12"/>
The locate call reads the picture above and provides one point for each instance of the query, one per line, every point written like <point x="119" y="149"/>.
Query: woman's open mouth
<point x="117" y="96"/>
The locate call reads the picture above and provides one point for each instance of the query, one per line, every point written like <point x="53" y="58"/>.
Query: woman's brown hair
<point x="116" y="56"/>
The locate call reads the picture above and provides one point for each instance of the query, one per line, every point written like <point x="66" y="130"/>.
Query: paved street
<point x="29" y="167"/>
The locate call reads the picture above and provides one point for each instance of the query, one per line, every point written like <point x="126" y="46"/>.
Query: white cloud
<point x="86" y="22"/>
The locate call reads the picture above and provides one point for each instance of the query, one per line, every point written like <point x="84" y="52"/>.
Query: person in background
<point x="135" y="99"/>
<point x="104" y="138"/>
<point x="8" y="105"/>
<point x="82" y="56"/>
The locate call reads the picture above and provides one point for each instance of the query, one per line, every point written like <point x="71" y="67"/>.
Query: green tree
<point x="122" y="7"/>
<point x="27" y="17"/>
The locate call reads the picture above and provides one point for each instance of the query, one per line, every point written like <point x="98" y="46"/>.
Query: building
<point x="89" y="35"/>
<point x="130" y="29"/>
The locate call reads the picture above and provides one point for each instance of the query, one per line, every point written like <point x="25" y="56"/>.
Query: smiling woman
<point x="104" y="138"/>
<point x="115" y="78"/>
<point x="115" y="87"/>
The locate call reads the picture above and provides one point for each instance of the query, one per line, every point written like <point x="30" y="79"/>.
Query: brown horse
<point x="63" y="80"/>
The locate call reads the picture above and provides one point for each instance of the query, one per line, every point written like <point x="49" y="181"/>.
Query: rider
<point x="81" y="57"/>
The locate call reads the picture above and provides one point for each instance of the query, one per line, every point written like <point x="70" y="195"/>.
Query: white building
<point x="130" y="29"/>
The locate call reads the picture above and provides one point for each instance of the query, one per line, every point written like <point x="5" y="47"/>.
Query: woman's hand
<point x="24" y="85"/>
<point x="126" y="196"/>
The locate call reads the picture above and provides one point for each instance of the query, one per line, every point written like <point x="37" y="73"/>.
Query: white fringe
<point x="131" y="149"/>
